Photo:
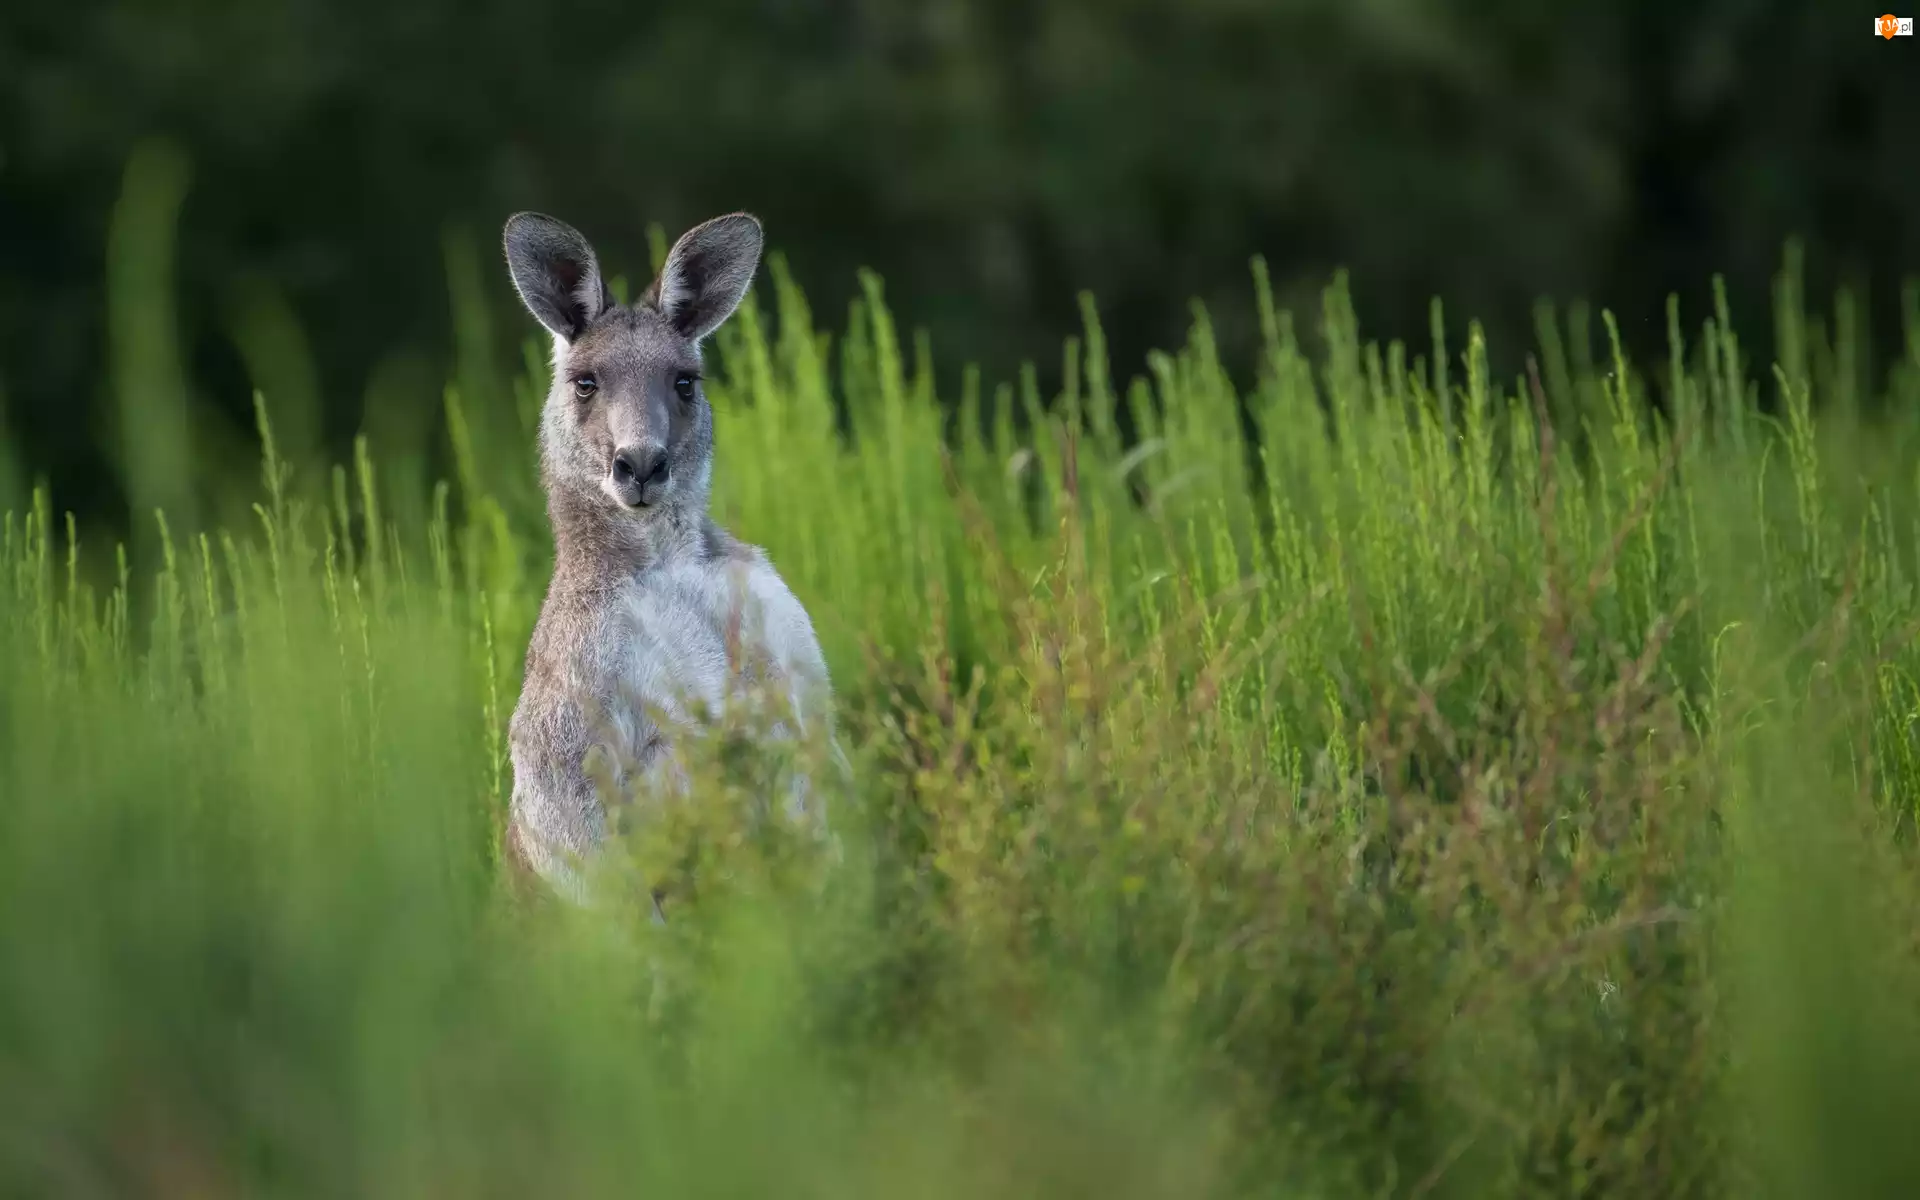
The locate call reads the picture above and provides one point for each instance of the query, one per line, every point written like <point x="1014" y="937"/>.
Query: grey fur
<point x="708" y="273"/>
<point x="556" y="273"/>
<point x="655" y="617"/>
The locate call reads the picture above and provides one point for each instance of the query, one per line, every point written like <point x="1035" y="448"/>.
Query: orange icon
<point x="1887" y="26"/>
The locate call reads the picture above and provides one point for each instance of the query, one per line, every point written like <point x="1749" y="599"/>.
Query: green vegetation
<point x="1467" y="787"/>
<point x="989" y="157"/>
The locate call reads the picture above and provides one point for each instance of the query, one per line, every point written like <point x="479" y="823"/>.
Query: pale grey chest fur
<point x="690" y="640"/>
<point x="620" y="679"/>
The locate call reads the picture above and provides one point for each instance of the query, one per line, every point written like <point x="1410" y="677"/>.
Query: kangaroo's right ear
<point x="555" y="272"/>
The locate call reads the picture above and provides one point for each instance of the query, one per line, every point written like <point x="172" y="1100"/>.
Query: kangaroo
<point x="655" y="617"/>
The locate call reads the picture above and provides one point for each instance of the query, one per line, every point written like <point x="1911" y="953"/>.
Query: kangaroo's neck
<point x="595" y="541"/>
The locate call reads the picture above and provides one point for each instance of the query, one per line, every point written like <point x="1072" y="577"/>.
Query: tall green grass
<point x="1467" y="786"/>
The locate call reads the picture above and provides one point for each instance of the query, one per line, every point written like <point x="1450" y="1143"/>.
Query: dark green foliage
<point x="989" y="157"/>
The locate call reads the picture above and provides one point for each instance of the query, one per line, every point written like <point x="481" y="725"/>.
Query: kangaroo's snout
<point x="639" y="474"/>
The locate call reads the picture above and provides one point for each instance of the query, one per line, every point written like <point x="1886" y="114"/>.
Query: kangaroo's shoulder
<point x="780" y="620"/>
<point x="714" y="545"/>
<point x="750" y="571"/>
<point x="575" y="648"/>
<point x="572" y="624"/>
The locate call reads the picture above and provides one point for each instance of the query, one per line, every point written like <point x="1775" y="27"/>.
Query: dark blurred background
<point x="989" y="157"/>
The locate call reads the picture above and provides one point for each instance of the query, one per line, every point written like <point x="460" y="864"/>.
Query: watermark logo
<point x="1890" y="26"/>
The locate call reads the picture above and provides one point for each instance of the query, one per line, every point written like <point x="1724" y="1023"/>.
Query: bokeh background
<point x="333" y="162"/>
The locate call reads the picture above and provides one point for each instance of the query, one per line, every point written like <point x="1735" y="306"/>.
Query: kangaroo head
<point x="626" y="425"/>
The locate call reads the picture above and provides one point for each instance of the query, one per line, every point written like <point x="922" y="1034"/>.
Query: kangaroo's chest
<point x="686" y="639"/>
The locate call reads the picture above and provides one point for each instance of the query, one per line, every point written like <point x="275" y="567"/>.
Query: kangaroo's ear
<point x="555" y="272"/>
<point x="706" y="274"/>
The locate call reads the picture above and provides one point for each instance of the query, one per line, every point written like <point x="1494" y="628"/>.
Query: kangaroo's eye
<point x="584" y="386"/>
<point x="684" y="386"/>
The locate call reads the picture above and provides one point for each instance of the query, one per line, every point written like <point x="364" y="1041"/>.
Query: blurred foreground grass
<point x="1455" y="786"/>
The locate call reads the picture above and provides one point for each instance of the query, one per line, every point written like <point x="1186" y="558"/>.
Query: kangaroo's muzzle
<point x="638" y="475"/>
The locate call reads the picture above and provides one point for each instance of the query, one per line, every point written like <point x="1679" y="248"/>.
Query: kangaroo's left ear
<point x="707" y="273"/>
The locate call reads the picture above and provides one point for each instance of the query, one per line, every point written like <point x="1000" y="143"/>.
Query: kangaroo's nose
<point x="638" y="470"/>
